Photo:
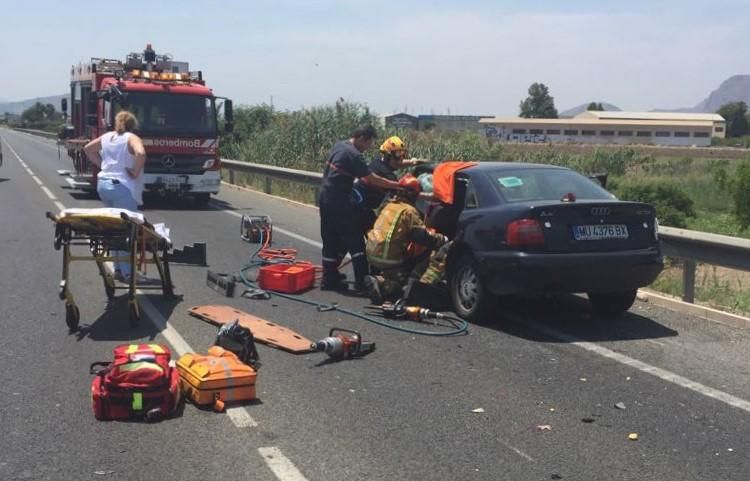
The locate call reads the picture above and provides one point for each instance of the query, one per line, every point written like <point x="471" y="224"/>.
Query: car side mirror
<point x="600" y="179"/>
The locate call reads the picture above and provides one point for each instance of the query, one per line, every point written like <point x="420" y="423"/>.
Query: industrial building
<point x="611" y="127"/>
<point x="436" y="122"/>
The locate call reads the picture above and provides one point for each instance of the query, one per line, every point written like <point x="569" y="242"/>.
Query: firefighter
<point x="367" y="197"/>
<point x="339" y="234"/>
<point x="402" y="248"/>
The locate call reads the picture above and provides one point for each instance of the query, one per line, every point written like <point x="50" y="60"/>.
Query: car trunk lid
<point x="595" y="226"/>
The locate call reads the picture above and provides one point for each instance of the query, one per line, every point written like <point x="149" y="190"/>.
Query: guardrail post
<point x="688" y="280"/>
<point x="267" y="186"/>
<point x="231" y="176"/>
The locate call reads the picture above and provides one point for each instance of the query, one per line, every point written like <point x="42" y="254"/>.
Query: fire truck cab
<point x="177" y="119"/>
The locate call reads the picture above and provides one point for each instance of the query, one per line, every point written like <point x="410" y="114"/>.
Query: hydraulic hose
<point x="459" y="326"/>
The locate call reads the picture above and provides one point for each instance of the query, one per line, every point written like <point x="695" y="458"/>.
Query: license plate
<point x="173" y="182"/>
<point x="600" y="232"/>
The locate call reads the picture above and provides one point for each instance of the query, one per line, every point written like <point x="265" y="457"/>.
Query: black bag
<point x="239" y="340"/>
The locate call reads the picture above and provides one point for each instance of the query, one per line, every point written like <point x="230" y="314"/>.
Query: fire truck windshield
<point x="172" y="114"/>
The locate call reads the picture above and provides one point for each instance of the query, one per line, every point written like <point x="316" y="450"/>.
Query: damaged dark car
<point x="537" y="229"/>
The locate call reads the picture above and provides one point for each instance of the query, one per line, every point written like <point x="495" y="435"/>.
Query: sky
<point x="467" y="57"/>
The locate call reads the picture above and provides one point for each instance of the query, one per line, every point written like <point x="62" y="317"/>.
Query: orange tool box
<point x="287" y="278"/>
<point x="216" y="378"/>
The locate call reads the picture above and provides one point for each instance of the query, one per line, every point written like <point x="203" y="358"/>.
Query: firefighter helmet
<point x="394" y="146"/>
<point x="411" y="184"/>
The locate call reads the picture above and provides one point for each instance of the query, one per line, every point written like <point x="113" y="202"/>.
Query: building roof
<point x="676" y="116"/>
<point x="593" y="122"/>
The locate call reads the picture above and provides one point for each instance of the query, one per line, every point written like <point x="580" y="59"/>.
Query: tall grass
<point x="301" y="140"/>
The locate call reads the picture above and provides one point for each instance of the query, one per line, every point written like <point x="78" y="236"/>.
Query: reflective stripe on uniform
<point x="387" y="242"/>
<point x="133" y="366"/>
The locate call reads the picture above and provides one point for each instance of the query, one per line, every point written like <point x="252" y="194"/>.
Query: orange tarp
<point x="443" y="179"/>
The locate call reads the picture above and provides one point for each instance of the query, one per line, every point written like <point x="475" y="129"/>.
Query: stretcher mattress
<point x="105" y="219"/>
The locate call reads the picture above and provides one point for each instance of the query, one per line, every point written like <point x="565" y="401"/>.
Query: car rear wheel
<point x="612" y="303"/>
<point x="470" y="297"/>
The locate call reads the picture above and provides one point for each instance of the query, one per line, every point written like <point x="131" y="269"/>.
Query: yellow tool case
<point x="216" y="378"/>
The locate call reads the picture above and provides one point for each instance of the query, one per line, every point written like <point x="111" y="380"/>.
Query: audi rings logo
<point x="168" y="161"/>
<point x="600" y="211"/>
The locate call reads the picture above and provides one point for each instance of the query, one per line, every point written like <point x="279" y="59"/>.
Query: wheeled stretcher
<point x="106" y="230"/>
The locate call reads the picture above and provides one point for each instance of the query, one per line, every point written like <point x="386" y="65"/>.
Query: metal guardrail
<point x="693" y="246"/>
<point x="41" y="133"/>
<point x="689" y="246"/>
<point x="270" y="173"/>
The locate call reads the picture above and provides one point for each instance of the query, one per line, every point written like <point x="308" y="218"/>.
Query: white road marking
<point x="48" y="192"/>
<point x="239" y="415"/>
<point x="36" y="179"/>
<point x="285" y="470"/>
<point x="602" y="351"/>
<point x="652" y="341"/>
<point x="287" y="233"/>
<point x="663" y="374"/>
<point x="241" y="418"/>
<point x="280" y="465"/>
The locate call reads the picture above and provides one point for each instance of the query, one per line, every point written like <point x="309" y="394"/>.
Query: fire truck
<point x="178" y="120"/>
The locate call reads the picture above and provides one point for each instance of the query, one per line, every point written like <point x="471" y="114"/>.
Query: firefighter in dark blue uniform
<point x="340" y="231"/>
<point x="368" y="198"/>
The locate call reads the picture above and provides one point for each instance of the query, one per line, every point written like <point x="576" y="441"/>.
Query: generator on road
<point x="178" y="120"/>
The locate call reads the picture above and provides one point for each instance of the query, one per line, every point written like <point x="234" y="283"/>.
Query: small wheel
<point x="109" y="287"/>
<point x="134" y="314"/>
<point x="72" y="316"/>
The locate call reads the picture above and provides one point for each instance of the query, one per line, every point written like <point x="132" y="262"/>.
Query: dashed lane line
<point x="240" y="417"/>
<point x="287" y="233"/>
<point x="663" y="374"/>
<point x="280" y="465"/>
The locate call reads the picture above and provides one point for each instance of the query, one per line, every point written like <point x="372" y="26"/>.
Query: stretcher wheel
<point x="72" y="316"/>
<point x="167" y="290"/>
<point x="134" y="314"/>
<point x="109" y="288"/>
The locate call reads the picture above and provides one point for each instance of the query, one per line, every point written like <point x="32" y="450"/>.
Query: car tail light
<point x="524" y="232"/>
<point x="212" y="164"/>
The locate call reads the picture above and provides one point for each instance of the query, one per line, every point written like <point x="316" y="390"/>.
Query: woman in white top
<point x="120" y="157"/>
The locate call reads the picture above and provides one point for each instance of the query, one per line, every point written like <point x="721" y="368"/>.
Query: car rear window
<point x="523" y="185"/>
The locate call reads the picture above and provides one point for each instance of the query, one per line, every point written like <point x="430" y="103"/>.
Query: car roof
<point x="485" y="166"/>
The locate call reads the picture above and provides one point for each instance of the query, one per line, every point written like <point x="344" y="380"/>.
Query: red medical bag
<point x="138" y="384"/>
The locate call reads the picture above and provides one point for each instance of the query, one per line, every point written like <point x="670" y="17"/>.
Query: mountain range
<point x="734" y="89"/>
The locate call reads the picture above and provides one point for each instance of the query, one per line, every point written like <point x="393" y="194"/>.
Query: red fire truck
<point x="177" y="120"/>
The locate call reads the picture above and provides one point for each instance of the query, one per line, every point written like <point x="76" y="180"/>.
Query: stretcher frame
<point x="129" y="235"/>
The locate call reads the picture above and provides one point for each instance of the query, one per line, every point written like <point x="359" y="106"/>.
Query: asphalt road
<point x="404" y="412"/>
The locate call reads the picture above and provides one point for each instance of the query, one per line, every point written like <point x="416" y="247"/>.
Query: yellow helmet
<point x="394" y="146"/>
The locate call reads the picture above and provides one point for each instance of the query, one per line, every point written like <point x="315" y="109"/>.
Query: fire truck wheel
<point x="202" y="199"/>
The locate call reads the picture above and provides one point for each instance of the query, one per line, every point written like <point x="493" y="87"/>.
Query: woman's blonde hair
<point x="125" y="122"/>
